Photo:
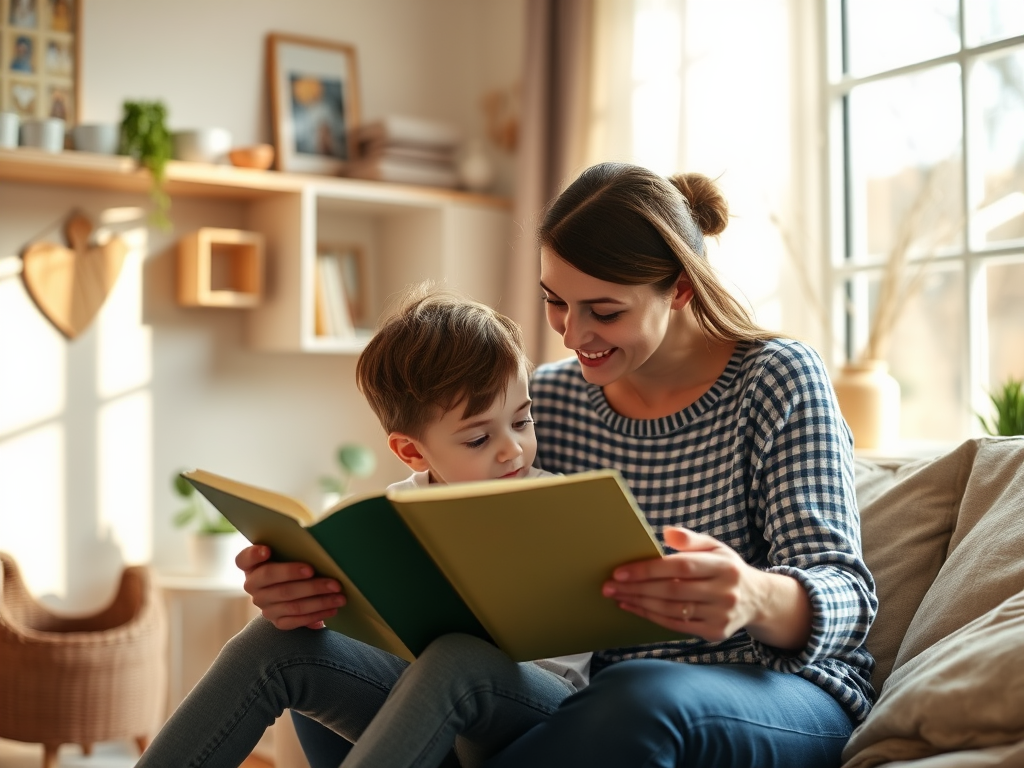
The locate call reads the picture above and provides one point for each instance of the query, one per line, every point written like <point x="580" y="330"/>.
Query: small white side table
<point x="178" y="589"/>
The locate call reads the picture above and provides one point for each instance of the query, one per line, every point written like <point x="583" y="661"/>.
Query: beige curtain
<point x="552" y="146"/>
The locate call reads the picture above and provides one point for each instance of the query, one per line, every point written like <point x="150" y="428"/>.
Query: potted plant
<point x="353" y="461"/>
<point x="146" y="137"/>
<point x="1009" y="410"/>
<point x="214" y="541"/>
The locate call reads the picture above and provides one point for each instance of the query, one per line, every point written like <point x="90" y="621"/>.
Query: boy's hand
<point x="287" y="594"/>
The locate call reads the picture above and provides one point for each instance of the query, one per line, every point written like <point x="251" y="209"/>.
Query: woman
<point x="731" y="440"/>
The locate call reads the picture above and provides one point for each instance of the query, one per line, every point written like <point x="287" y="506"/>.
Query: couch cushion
<point x="985" y="561"/>
<point x="907" y="515"/>
<point x="965" y="692"/>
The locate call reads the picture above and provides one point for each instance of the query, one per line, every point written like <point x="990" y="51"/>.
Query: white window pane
<point x="988" y="20"/>
<point x="996" y="92"/>
<point x="906" y="165"/>
<point x="1005" y="321"/>
<point x="882" y="34"/>
<point x="926" y="354"/>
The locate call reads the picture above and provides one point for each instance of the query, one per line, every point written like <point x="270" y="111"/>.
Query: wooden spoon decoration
<point x="69" y="285"/>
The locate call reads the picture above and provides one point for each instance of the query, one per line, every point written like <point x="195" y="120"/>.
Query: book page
<point x="529" y="557"/>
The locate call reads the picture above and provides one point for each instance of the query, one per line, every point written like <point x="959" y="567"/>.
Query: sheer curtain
<point x="729" y="88"/>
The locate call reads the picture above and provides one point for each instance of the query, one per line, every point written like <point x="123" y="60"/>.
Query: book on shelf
<point x="519" y="563"/>
<point x="405" y="171"/>
<point x="414" y="131"/>
<point x="337" y="317"/>
<point x="373" y="150"/>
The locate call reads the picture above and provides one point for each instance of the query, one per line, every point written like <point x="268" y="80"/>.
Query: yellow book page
<point x="529" y="557"/>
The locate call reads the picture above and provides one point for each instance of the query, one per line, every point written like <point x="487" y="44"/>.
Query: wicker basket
<point x="81" y="680"/>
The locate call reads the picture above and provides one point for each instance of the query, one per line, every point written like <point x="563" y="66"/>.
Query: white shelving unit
<point x="407" y="233"/>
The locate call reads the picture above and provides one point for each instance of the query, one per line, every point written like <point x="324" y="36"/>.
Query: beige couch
<point x="944" y="538"/>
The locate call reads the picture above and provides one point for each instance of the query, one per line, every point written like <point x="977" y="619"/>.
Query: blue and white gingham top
<point x="763" y="462"/>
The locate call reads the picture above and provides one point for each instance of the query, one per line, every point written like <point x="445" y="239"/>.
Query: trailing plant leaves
<point x="145" y="136"/>
<point x="357" y="460"/>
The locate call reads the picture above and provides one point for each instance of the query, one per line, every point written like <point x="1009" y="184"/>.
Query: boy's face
<point x="498" y="443"/>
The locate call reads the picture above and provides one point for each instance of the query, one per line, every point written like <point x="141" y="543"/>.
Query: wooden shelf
<point x="115" y="172"/>
<point x="409" y="234"/>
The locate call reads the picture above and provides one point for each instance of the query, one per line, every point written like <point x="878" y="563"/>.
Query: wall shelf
<point x="408" y="233"/>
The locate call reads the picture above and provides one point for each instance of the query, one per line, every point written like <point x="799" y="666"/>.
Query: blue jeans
<point x="461" y="691"/>
<point x="660" y="714"/>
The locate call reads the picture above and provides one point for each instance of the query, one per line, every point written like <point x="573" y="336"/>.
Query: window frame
<point x="848" y="328"/>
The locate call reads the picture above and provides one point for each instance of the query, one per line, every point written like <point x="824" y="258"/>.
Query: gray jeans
<point x="461" y="691"/>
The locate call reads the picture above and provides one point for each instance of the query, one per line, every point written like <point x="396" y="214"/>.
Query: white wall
<point x="91" y="430"/>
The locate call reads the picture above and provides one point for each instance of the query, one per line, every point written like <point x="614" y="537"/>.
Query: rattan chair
<point x="81" y="680"/>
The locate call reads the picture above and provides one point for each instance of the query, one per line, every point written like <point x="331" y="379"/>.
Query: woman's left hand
<point x="706" y="589"/>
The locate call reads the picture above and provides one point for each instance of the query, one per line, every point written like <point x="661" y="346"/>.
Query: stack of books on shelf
<point x="333" y="318"/>
<point x="408" y="150"/>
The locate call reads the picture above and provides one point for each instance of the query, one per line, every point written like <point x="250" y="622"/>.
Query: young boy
<point x="447" y="378"/>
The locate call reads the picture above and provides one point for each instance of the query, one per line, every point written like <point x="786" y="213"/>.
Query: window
<point x="926" y="222"/>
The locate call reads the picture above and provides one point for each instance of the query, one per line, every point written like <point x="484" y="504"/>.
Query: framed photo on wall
<point x="39" y="60"/>
<point x="314" y="101"/>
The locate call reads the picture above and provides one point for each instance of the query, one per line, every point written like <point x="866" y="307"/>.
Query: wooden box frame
<point x="220" y="268"/>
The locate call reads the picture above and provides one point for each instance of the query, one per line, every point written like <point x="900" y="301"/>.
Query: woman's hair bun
<point x="708" y="207"/>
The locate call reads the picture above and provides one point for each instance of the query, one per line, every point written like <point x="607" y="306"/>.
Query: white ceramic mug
<point x="47" y="134"/>
<point x="102" y="138"/>
<point x="202" y="145"/>
<point x="9" y="124"/>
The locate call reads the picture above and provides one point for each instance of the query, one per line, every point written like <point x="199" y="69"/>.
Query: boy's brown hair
<point x="437" y="349"/>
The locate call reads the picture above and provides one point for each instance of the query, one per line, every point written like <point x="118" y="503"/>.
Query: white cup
<point x="9" y="124"/>
<point x="202" y="145"/>
<point x="102" y="138"/>
<point x="47" y="134"/>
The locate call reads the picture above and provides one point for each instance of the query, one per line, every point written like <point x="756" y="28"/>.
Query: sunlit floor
<point x="15" y="754"/>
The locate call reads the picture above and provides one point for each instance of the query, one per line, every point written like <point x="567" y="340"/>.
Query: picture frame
<point x="351" y="260"/>
<point x="314" y="102"/>
<point x="40" y="63"/>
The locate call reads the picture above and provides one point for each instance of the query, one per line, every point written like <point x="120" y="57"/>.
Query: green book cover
<point x="517" y="562"/>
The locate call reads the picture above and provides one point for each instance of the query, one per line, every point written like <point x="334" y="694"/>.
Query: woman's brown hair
<point x="625" y="224"/>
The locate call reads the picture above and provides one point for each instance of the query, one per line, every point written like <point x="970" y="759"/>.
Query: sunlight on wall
<point x="124" y="448"/>
<point x="32" y="387"/>
<point x="124" y="369"/>
<point x="32" y="515"/>
<point x="125" y="345"/>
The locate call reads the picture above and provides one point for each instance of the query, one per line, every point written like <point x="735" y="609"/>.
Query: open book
<point x="517" y="562"/>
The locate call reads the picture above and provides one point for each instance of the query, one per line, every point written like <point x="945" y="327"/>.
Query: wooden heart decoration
<point x="69" y="285"/>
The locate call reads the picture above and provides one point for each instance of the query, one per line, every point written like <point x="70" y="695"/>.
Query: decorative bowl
<point x="259" y="156"/>
<point x="202" y="145"/>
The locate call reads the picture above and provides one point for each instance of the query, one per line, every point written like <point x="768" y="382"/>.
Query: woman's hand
<point x="706" y="589"/>
<point x="287" y="594"/>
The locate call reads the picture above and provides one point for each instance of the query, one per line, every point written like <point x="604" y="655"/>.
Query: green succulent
<point x="353" y="461"/>
<point x="1008" y="403"/>
<point x="196" y="512"/>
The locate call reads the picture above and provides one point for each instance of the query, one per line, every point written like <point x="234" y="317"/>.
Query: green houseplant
<point x="353" y="461"/>
<point x="1008" y="403"/>
<point x="146" y="137"/>
<point x="205" y="519"/>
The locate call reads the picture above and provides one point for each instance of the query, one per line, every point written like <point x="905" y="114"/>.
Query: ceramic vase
<point x="213" y="554"/>
<point x="476" y="170"/>
<point x="869" y="399"/>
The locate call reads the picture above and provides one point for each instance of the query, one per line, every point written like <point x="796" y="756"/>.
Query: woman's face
<point x="613" y="329"/>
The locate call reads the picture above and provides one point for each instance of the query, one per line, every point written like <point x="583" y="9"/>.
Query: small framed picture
<point x="39" y="50"/>
<point x="314" y="99"/>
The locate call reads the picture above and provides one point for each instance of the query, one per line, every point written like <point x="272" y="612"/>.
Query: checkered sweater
<point x="763" y="462"/>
